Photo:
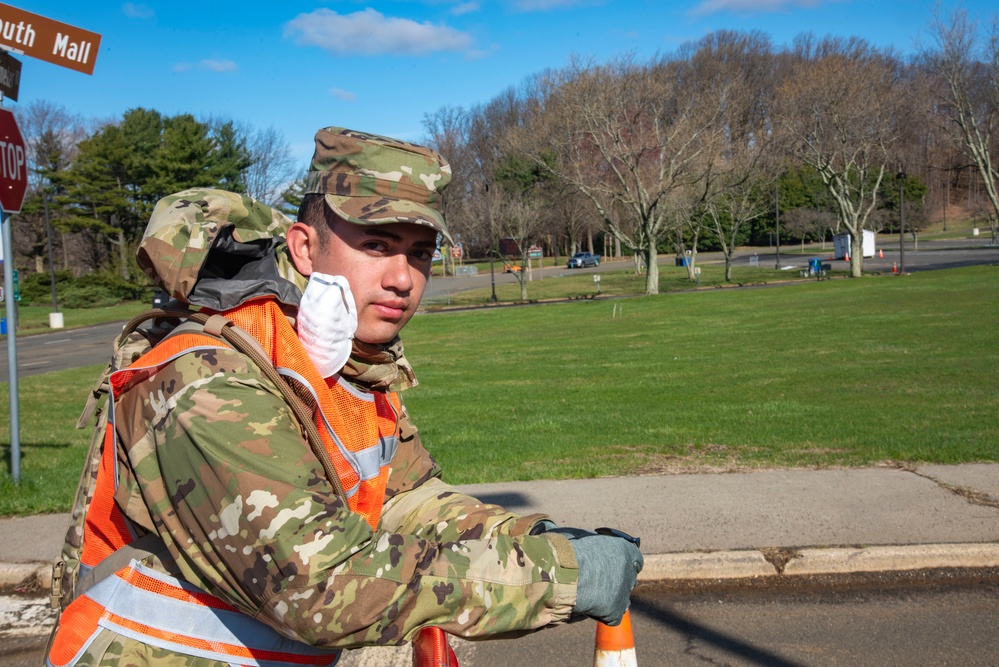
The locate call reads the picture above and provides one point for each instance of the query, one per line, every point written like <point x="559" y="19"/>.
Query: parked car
<point x="583" y="259"/>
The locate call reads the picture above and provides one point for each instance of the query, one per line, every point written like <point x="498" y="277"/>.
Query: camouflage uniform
<point x="212" y="459"/>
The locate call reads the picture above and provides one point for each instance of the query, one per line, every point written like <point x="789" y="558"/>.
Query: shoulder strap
<point x="143" y="547"/>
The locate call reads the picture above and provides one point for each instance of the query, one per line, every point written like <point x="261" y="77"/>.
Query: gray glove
<point x="609" y="563"/>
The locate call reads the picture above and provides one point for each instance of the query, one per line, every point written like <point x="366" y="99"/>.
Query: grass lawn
<point x="570" y="284"/>
<point x="35" y="318"/>
<point x="833" y="373"/>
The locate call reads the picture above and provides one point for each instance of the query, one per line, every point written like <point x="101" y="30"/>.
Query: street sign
<point x="43" y="38"/>
<point x="456" y="252"/>
<point x="10" y="75"/>
<point x="13" y="166"/>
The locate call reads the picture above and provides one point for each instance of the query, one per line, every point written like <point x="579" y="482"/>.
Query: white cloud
<point x="370" y="32"/>
<point x="218" y="65"/>
<point x="208" y="65"/>
<point x="545" y="5"/>
<point x="751" y="6"/>
<point x="465" y="8"/>
<point x="134" y="11"/>
<point x="342" y="94"/>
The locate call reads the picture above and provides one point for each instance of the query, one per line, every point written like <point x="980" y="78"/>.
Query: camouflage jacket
<point x="213" y="460"/>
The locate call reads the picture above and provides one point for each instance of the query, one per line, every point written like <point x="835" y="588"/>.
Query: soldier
<point x="262" y="496"/>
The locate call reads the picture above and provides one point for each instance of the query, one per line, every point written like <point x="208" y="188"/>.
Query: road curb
<point x="31" y="575"/>
<point x="779" y="562"/>
<point x="743" y="564"/>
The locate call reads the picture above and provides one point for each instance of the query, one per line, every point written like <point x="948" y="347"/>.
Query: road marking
<point x="58" y="340"/>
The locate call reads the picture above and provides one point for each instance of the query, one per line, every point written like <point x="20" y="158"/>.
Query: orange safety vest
<point x="359" y="432"/>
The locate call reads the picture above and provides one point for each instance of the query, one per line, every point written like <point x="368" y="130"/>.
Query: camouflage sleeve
<point x="243" y="505"/>
<point x="412" y="464"/>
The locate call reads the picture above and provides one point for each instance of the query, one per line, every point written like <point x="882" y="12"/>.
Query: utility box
<point x="841" y="245"/>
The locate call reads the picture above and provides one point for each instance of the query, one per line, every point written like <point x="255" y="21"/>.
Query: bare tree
<point x="448" y="131"/>
<point x="966" y="65"/>
<point x="627" y="135"/>
<point x="836" y="110"/>
<point x="273" y="168"/>
<point x="51" y="134"/>
<point x="737" y="179"/>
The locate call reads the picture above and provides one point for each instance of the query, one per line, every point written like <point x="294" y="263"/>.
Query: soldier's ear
<point x="303" y="245"/>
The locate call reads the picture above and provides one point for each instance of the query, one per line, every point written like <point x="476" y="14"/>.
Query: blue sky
<point x="299" y="65"/>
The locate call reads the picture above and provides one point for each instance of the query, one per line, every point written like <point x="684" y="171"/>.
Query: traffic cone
<point x="615" y="646"/>
<point x="881" y="253"/>
<point x="430" y="649"/>
<point x="847" y="257"/>
<point x="894" y="267"/>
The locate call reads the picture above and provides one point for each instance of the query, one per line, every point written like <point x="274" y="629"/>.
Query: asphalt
<point x="756" y="524"/>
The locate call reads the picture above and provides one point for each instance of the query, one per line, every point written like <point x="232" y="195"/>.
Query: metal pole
<point x="48" y="233"/>
<point x="11" y="312"/>
<point x="777" y="215"/>
<point x="492" y="240"/>
<point x="901" y="225"/>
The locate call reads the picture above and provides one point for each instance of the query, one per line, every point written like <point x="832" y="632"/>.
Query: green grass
<point x="832" y="373"/>
<point x="846" y="372"/>
<point x="570" y="284"/>
<point x="35" y="318"/>
<point x="52" y="449"/>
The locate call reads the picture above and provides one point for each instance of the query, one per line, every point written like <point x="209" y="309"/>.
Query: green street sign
<point x="17" y="287"/>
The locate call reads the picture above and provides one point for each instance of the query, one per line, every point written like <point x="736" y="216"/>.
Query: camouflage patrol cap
<point x="373" y="180"/>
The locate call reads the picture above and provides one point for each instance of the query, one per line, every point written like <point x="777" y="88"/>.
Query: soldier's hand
<point x="609" y="563"/>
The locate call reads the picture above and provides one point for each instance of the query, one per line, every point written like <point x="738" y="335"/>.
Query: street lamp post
<point x="901" y="223"/>
<point x="777" y="217"/>
<point x="492" y="241"/>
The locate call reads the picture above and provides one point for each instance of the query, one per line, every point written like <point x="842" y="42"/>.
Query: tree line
<point x="725" y="141"/>
<point x="711" y="145"/>
<point x="93" y="184"/>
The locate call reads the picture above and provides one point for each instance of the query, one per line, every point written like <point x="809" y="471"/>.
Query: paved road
<point x="948" y="618"/>
<point x="70" y="348"/>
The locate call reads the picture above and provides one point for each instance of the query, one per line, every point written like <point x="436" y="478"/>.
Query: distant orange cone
<point x="615" y="646"/>
<point x="894" y="267"/>
<point x="881" y="253"/>
<point x="847" y="257"/>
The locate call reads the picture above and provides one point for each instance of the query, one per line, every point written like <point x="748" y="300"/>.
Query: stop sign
<point x="13" y="166"/>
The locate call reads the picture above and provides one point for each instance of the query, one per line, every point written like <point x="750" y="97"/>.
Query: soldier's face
<point x="387" y="268"/>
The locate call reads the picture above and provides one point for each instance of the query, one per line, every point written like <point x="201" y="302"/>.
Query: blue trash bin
<point x="3" y="326"/>
<point x="815" y="266"/>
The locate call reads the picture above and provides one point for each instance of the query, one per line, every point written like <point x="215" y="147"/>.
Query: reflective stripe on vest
<point x="159" y="610"/>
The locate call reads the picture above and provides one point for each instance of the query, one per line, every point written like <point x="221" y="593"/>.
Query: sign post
<point x="53" y="41"/>
<point x="13" y="184"/>
<point x="10" y="75"/>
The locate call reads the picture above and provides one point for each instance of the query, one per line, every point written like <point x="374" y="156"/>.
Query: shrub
<point x="37" y="287"/>
<point x="88" y="296"/>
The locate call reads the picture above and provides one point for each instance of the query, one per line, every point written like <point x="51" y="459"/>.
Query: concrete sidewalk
<point x="716" y="526"/>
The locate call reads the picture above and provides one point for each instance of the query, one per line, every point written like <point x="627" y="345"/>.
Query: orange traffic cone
<point x="430" y="649"/>
<point x="894" y="267"/>
<point x="615" y="646"/>
<point x="881" y="253"/>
